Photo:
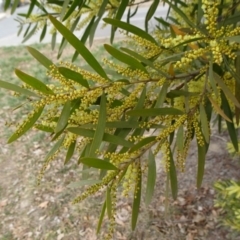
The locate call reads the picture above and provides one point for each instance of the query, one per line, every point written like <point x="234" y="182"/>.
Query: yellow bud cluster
<point x="45" y="165"/>
<point x="126" y="71"/>
<point x="96" y="187"/>
<point x="150" y="49"/>
<point x="21" y="127"/>
<point x="172" y="42"/>
<point x="166" y="132"/>
<point x="189" y="56"/>
<point x="69" y="139"/>
<point x="86" y="74"/>
<point x="165" y="148"/>
<point x="128" y="103"/>
<point x="137" y="179"/>
<point x="129" y="179"/>
<point x="55" y="74"/>
<point x="112" y="219"/>
<point x="197" y="129"/>
<point x="210" y="14"/>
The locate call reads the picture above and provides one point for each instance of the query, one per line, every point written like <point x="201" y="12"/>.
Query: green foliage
<point x="227" y="199"/>
<point x="161" y="93"/>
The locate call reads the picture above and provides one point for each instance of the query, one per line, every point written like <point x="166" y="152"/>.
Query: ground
<point x="28" y="211"/>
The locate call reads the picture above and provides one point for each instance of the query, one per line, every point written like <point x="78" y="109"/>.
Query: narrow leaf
<point x="97" y="163"/>
<point x="201" y="164"/>
<point x="33" y="82"/>
<point x="219" y="110"/>
<point x="40" y="57"/>
<point x="63" y="119"/>
<point x="125" y="58"/>
<point x="162" y="95"/>
<point x="70" y="152"/>
<point x="230" y="125"/>
<point x="17" y="89"/>
<point x="98" y="135"/>
<point x="130" y="28"/>
<point x="142" y="143"/>
<point x="136" y="200"/>
<point x="26" y="125"/>
<point x="204" y="123"/>
<point x="79" y="46"/>
<point x="151" y="179"/>
<point x="173" y="176"/>
<point x="101" y="217"/>
<point x="43" y="32"/>
<point x="154" y="112"/>
<point x="120" y="11"/>
<point x="150" y="13"/>
<point x="226" y="90"/>
<point x="106" y="137"/>
<point x="75" y="76"/>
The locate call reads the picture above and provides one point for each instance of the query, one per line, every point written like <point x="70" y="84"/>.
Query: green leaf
<point x="75" y="76"/>
<point x="121" y="9"/>
<point x="33" y="82"/>
<point x="44" y="128"/>
<point x="226" y="90"/>
<point x="73" y="6"/>
<point x="40" y="57"/>
<point x="101" y="217"/>
<point x="33" y="31"/>
<point x="85" y="36"/>
<point x="204" y="123"/>
<point x="53" y="42"/>
<point x="180" y="138"/>
<point x="211" y="79"/>
<point x="122" y="124"/>
<point x="43" y="32"/>
<point x="179" y="93"/>
<point x="93" y="27"/>
<point x="17" y="89"/>
<point x="125" y="58"/>
<point x="64" y="9"/>
<point x="230" y="125"/>
<point x="151" y="179"/>
<point x="14" y="6"/>
<point x="106" y="137"/>
<point x="162" y="95"/>
<point x="150" y="13"/>
<point x="32" y="118"/>
<point x="130" y="28"/>
<point x="143" y="60"/>
<point x="136" y="201"/>
<point x="79" y="46"/>
<point x="6" y="4"/>
<point x="154" y="112"/>
<point x="97" y="163"/>
<point x="83" y="183"/>
<point x="173" y="176"/>
<point x="109" y="202"/>
<point x="99" y="133"/>
<point x="181" y="14"/>
<point x="32" y="4"/>
<point x="142" y="143"/>
<point x="70" y="152"/>
<point x="201" y="164"/>
<point x="63" y="119"/>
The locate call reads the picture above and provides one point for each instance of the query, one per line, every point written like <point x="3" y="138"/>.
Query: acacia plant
<point x="157" y="95"/>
